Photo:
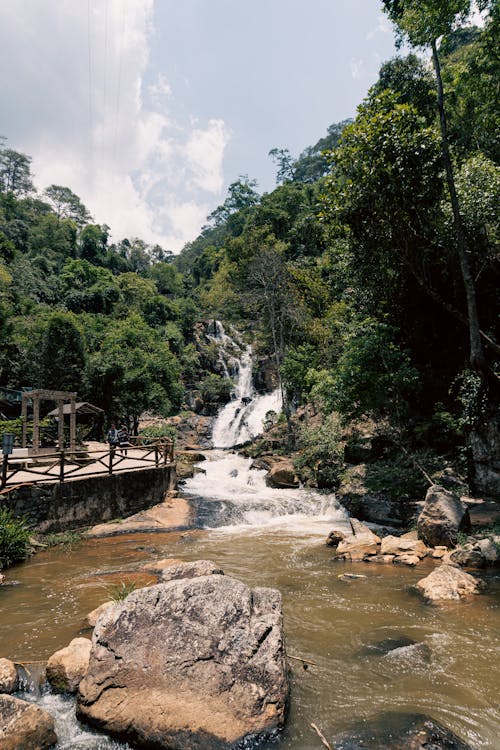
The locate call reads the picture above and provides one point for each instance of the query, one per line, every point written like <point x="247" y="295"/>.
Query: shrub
<point x="321" y="452"/>
<point x="14" y="538"/>
<point x="156" y="431"/>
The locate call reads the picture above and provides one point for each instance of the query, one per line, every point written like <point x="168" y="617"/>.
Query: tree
<point x="134" y="371"/>
<point x="422" y="23"/>
<point x="61" y="354"/>
<point x="67" y="205"/>
<point x="93" y="243"/>
<point x="15" y="172"/>
<point x="285" y="163"/>
<point x="241" y="195"/>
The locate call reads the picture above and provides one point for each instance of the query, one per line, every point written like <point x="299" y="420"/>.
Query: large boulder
<point x="24" y="725"/>
<point x="8" y="676"/>
<point x="67" y="667"/>
<point x="360" y="544"/>
<point x="282" y="475"/>
<point x="442" y="517"/>
<point x="194" y="663"/>
<point x="448" y="583"/>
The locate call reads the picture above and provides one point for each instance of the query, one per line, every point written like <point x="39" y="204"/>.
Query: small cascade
<point x="243" y="417"/>
<point x="230" y="496"/>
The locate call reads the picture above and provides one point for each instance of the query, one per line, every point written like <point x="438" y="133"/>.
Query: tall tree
<point x="423" y="23"/>
<point x="15" y="172"/>
<point x="67" y="205"/>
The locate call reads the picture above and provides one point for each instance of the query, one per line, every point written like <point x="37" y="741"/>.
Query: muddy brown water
<point x="371" y="644"/>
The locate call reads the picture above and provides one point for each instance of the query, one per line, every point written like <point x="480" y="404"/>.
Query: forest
<point x="367" y="280"/>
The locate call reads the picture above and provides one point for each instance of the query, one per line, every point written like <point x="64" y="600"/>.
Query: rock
<point x="190" y="456"/>
<point x="2" y="578"/>
<point x="382" y="559"/>
<point x="158" y="566"/>
<point x="350" y="576"/>
<point x="359" y="544"/>
<point x="397" y="731"/>
<point x="8" y="676"/>
<point x="334" y="538"/>
<point x="67" y="667"/>
<point x="439" y="552"/>
<point x="193" y="663"/>
<point x="407" y="559"/>
<point x="24" y="725"/>
<point x="448" y="583"/>
<point x="442" y="517"/>
<point x="190" y="570"/>
<point x="261" y="464"/>
<point x="477" y="554"/>
<point x="92" y="617"/>
<point x="282" y="475"/>
<point x="386" y="645"/>
<point x="407" y="543"/>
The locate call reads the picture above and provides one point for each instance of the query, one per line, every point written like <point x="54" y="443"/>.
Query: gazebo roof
<point x="83" y="407"/>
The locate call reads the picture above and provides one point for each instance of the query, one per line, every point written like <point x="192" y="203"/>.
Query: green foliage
<point x="215" y="389"/>
<point x="64" y="539"/>
<point x="321" y="452"/>
<point x="62" y="356"/>
<point x="14" y="538"/>
<point x="158" y="431"/>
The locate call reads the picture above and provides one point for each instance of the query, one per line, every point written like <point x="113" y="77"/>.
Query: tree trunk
<point x="477" y="358"/>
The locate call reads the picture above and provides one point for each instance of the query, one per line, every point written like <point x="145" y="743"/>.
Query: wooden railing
<point x="61" y="466"/>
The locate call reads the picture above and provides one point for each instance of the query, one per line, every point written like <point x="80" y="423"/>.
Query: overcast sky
<point x="149" y="109"/>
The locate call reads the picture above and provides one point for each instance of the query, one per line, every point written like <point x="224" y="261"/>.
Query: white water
<point x="241" y="419"/>
<point x="232" y="497"/>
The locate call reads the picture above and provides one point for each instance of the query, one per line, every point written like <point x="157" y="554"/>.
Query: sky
<point x="149" y="109"/>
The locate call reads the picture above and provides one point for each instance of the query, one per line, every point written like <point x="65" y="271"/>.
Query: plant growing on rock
<point x="14" y="538"/>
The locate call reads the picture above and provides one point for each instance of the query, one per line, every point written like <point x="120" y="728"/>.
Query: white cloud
<point x="357" y="67"/>
<point x="75" y="88"/>
<point x="383" y="27"/>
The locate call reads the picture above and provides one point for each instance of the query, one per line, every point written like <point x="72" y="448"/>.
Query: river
<point x="370" y="644"/>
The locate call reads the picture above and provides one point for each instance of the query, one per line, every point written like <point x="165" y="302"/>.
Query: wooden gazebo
<point x="44" y="395"/>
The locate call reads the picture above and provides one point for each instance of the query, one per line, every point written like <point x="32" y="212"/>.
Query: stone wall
<point x="83" y="502"/>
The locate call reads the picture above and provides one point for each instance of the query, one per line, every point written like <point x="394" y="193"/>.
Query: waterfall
<point x="242" y="418"/>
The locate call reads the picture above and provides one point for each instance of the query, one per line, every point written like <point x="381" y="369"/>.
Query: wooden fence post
<point x="156" y="456"/>
<point x="61" y="468"/>
<point x="111" y="455"/>
<point x="4" y="472"/>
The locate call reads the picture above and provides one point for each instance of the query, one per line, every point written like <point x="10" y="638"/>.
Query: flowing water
<point x="371" y="646"/>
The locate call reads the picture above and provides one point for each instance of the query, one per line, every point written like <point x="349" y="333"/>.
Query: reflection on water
<point x="372" y="645"/>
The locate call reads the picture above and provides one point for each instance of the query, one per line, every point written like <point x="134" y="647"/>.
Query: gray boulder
<point x="359" y="545"/>
<point x="67" y="667"/>
<point x="474" y="554"/>
<point x="282" y="475"/>
<point x="194" y="663"/>
<point x="24" y="725"/>
<point x="8" y="676"/>
<point x="448" y="583"/>
<point x="442" y="517"/>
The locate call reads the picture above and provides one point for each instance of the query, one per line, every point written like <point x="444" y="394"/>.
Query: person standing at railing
<point x="113" y="437"/>
<point x="123" y="439"/>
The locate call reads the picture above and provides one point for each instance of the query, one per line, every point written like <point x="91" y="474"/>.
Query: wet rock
<point x="405" y="544"/>
<point x="381" y="559"/>
<point x="442" y="517"/>
<point x="92" y="617"/>
<point x="8" y="676"/>
<point x="24" y="725"/>
<point x="261" y="464"/>
<point x="407" y="559"/>
<point x="2" y="578"/>
<point x="386" y="645"/>
<point x="361" y="543"/>
<point x="479" y="554"/>
<point x="448" y="583"/>
<point x="191" y="570"/>
<point x="67" y="667"/>
<point x="334" y="538"/>
<point x="194" y="663"/>
<point x="396" y="731"/>
<point x="190" y="456"/>
<point x="158" y="566"/>
<point x="282" y="475"/>
<point x="350" y="576"/>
